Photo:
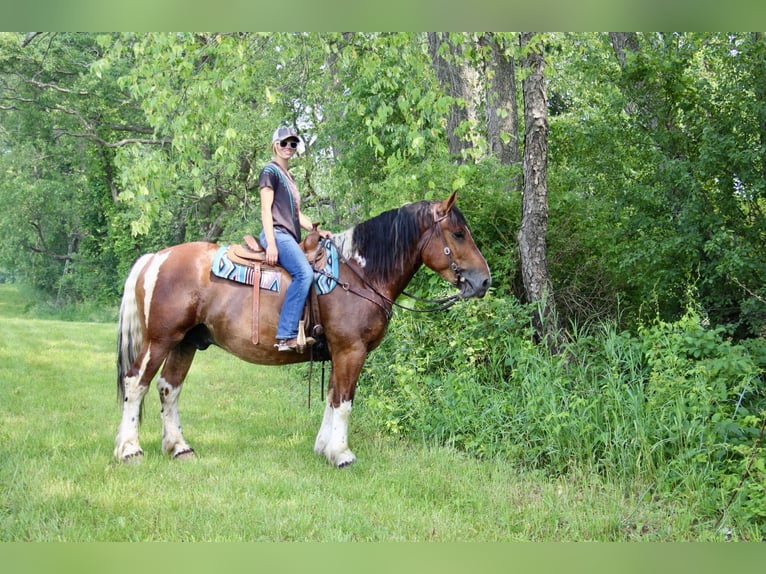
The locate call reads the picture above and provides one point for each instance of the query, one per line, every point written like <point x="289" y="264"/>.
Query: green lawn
<point x="256" y="476"/>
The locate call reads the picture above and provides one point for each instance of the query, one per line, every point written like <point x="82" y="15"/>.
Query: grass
<point x="256" y="477"/>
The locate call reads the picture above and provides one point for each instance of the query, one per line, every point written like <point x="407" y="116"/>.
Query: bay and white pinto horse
<point x="173" y="306"/>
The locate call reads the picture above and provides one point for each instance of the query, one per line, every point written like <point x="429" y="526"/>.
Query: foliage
<point x="677" y="405"/>
<point x="667" y="155"/>
<point x="116" y="144"/>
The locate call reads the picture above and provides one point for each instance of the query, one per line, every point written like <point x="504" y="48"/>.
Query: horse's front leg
<point x="332" y="438"/>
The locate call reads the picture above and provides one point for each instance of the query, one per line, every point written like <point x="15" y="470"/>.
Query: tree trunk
<point x="457" y="79"/>
<point x="502" y="110"/>
<point x="622" y="41"/>
<point x="760" y="94"/>
<point x="534" y="216"/>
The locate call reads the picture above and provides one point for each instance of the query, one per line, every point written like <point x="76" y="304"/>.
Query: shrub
<point x="676" y="405"/>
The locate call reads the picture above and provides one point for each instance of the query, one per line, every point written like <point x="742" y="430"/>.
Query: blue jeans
<point x="293" y="259"/>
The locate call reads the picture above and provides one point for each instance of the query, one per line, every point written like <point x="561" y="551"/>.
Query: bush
<point x="676" y="405"/>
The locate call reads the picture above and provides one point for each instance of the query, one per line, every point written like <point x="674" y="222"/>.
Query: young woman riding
<point x="282" y="221"/>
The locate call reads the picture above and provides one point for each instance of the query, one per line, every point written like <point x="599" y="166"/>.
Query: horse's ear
<point x="447" y="204"/>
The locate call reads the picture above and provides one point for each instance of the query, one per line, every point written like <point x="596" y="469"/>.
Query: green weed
<point x="676" y="406"/>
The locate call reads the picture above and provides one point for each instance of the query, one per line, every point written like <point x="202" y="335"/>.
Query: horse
<point x="172" y="306"/>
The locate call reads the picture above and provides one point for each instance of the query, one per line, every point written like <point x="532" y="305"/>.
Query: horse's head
<point x="449" y="250"/>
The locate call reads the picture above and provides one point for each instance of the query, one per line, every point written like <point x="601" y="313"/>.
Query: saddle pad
<point x="324" y="282"/>
<point x="225" y="268"/>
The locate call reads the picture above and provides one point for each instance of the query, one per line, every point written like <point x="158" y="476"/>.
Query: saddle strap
<point x="315" y="321"/>
<point x="256" y="327"/>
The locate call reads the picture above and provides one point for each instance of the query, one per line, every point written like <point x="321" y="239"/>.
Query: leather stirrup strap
<point x="316" y="327"/>
<point x="256" y="327"/>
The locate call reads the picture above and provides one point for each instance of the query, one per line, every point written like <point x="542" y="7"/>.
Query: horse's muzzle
<point x="474" y="283"/>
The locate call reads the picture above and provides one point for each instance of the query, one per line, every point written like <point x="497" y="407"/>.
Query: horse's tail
<point x="130" y="336"/>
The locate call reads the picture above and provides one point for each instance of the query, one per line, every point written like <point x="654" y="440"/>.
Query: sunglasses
<point x="292" y="143"/>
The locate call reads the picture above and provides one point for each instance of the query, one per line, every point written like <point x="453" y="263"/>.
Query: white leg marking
<point x="337" y="451"/>
<point x="172" y="440"/>
<point x="325" y="430"/>
<point x="126" y="443"/>
<point x="150" y="280"/>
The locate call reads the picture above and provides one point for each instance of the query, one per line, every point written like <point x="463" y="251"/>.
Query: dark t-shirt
<point x="286" y="198"/>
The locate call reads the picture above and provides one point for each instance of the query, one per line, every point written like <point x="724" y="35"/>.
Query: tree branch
<point x="134" y="129"/>
<point x="122" y="142"/>
<point x="44" y="250"/>
<point x="43" y="85"/>
<point x="29" y="37"/>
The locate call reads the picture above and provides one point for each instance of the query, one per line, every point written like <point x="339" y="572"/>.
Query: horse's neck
<point x="393" y="288"/>
<point x="398" y="286"/>
<point x="390" y="289"/>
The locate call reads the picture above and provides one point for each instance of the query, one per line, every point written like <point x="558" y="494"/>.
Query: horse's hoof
<point x="345" y="459"/>
<point x="134" y="458"/>
<point x="187" y="454"/>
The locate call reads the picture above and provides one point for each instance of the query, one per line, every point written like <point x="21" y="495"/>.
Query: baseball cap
<point x="283" y="133"/>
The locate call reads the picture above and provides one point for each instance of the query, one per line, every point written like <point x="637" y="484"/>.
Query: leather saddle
<point x="252" y="254"/>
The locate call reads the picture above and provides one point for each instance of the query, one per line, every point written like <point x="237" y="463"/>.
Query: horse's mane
<point x="383" y="243"/>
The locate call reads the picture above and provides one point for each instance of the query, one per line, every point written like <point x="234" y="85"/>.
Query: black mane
<point x="386" y="241"/>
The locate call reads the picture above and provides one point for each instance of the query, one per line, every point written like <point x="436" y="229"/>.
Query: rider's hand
<point x="272" y="254"/>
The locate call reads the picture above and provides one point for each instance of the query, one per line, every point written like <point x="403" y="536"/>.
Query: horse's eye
<point x="459" y="235"/>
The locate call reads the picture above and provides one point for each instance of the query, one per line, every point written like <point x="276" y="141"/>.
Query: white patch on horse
<point x="173" y="441"/>
<point x="325" y="430"/>
<point x="337" y="451"/>
<point x="150" y="280"/>
<point x="359" y="259"/>
<point x="345" y="244"/>
<point x="126" y="443"/>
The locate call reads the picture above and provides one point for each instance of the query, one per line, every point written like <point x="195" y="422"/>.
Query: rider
<point x="282" y="220"/>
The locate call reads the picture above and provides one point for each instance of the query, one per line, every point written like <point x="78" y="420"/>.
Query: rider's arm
<point x="267" y="221"/>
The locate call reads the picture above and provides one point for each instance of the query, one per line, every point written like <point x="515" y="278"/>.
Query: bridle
<point x="446" y="302"/>
<point x="388" y="304"/>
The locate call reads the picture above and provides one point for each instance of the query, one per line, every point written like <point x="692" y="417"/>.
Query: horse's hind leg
<point x="135" y="385"/>
<point x="169" y="386"/>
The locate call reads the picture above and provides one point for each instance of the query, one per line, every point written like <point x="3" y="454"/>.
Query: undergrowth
<point x="677" y="404"/>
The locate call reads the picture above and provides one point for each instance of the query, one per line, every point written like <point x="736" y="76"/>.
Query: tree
<point x="500" y="100"/>
<point x="459" y="81"/>
<point x="534" y="218"/>
<point x="60" y="127"/>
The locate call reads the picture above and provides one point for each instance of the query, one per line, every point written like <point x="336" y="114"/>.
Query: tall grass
<point x="256" y="476"/>
<point x="674" y="409"/>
